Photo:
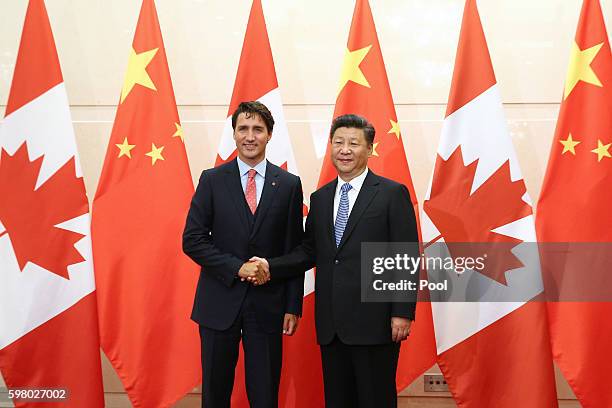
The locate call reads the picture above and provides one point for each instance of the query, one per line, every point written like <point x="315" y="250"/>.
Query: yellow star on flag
<point x="374" y="152"/>
<point x="394" y="128"/>
<point x="569" y="144"/>
<point x="179" y="132"/>
<point x="580" y="68"/>
<point x="602" y="150"/>
<point x="350" y="68"/>
<point x="124" y="148"/>
<point x="137" y="72"/>
<point x="155" y="154"/>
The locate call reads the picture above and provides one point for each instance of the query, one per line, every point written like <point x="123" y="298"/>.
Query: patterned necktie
<point x="343" y="213"/>
<point x="251" y="191"/>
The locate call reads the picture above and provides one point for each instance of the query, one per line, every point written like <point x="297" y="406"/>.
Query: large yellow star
<point x="580" y="68"/>
<point x="155" y="154"/>
<point x="394" y="128"/>
<point x="350" y="68"/>
<point x="179" y="132"/>
<point x="569" y="144"/>
<point x="124" y="148"/>
<point x="374" y="152"/>
<point x="137" y="72"/>
<point x="602" y="150"/>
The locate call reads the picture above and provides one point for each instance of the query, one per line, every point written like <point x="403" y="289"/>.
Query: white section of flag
<point x="46" y="125"/>
<point x="33" y="296"/>
<point x="479" y="127"/>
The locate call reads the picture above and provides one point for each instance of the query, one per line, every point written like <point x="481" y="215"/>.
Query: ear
<point x="370" y="149"/>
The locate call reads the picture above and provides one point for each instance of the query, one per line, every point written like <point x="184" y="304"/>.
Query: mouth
<point x="345" y="161"/>
<point x="249" y="146"/>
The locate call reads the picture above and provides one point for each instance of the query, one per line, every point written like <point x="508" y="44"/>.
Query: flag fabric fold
<point x="49" y="334"/>
<point x="146" y="283"/>
<point x="574" y="207"/>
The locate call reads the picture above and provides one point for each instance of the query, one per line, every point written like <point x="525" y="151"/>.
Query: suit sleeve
<point x="295" y="233"/>
<point x="301" y="258"/>
<point x="198" y="241"/>
<point x="403" y="228"/>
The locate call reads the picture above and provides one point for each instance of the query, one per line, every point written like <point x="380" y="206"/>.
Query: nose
<point x="345" y="149"/>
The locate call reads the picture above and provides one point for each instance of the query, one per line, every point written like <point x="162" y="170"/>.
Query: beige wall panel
<point x="529" y="42"/>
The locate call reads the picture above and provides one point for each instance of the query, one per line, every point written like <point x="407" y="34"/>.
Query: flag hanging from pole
<point x="487" y="349"/>
<point x="49" y="334"/>
<point x="574" y="206"/>
<point x="145" y="282"/>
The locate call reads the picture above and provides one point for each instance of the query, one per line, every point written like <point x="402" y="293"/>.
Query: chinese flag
<point x="364" y="90"/>
<point x="49" y="332"/>
<point x="493" y="352"/>
<point x="146" y="284"/>
<point x="574" y="206"/>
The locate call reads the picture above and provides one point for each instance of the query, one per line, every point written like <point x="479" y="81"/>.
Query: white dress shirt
<point x="356" y="183"/>
<point x="260" y="176"/>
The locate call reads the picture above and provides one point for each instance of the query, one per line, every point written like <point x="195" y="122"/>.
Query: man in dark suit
<point x="245" y="207"/>
<point x="359" y="341"/>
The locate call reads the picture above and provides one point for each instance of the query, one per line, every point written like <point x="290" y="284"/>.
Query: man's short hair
<point x="254" y="108"/>
<point x="354" y="121"/>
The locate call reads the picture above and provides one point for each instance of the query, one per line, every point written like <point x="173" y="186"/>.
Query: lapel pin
<point x="274" y="183"/>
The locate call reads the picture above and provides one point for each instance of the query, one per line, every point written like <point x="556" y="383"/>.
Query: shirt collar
<point x="244" y="168"/>
<point x="356" y="183"/>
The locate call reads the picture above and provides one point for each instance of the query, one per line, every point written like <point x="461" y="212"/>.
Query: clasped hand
<point x="255" y="270"/>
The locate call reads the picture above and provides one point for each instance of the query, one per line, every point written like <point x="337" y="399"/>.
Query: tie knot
<point x="252" y="173"/>
<point x="345" y="188"/>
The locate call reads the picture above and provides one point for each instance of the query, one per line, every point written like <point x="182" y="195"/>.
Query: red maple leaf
<point x="29" y="215"/>
<point x="462" y="217"/>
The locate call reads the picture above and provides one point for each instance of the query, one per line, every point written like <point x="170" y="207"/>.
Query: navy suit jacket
<point x="383" y="212"/>
<point x="221" y="234"/>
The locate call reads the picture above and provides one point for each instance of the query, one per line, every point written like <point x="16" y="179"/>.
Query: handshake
<point x="255" y="270"/>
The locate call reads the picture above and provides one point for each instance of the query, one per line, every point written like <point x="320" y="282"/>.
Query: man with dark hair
<point x="245" y="207"/>
<point x="254" y="108"/>
<point x="359" y="341"/>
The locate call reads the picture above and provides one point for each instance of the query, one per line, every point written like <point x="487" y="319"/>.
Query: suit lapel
<point x="366" y="194"/>
<point x="234" y="186"/>
<point x="270" y="187"/>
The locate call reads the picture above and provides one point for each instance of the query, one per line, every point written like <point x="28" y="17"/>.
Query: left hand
<point x="400" y="328"/>
<point x="290" y="324"/>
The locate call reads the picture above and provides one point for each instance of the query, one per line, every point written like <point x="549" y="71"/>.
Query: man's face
<point x="350" y="152"/>
<point x="251" y="136"/>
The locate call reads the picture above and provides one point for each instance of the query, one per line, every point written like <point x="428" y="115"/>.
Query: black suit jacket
<point x="221" y="234"/>
<point x="383" y="212"/>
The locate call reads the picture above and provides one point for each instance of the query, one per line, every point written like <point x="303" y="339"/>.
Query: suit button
<point x="336" y="261"/>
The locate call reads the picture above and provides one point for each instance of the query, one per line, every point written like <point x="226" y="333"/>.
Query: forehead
<point x="350" y="133"/>
<point x="250" y="119"/>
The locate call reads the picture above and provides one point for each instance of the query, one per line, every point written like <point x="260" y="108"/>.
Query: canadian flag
<point x="256" y="80"/>
<point x="49" y="336"/>
<point x="491" y="352"/>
